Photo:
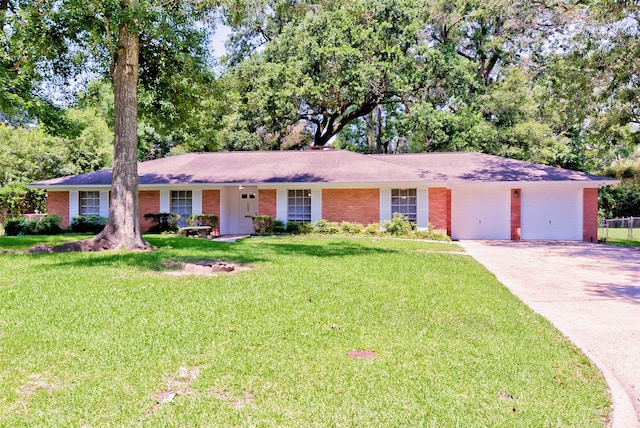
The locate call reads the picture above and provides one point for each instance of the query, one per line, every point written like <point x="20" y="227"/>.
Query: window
<point x="89" y="203"/>
<point x="299" y="206"/>
<point x="405" y="202"/>
<point x="181" y="203"/>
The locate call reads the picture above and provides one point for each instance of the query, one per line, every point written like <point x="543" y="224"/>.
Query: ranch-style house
<point x="467" y="195"/>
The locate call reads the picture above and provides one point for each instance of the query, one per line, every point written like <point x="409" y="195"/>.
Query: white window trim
<point x="407" y="196"/>
<point x="385" y="205"/>
<point x="74" y="204"/>
<point x="311" y="199"/>
<point x="165" y="201"/>
<point x="196" y="202"/>
<point x="422" y="216"/>
<point x="104" y="204"/>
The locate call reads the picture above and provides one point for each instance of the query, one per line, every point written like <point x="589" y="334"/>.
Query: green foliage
<point x="13" y="226"/>
<point x="398" y="225"/>
<point x="330" y="63"/>
<point x="324" y="227"/>
<point x="92" y="148"/>
<point x="49" y="225"/>
<point x="348" y="228"/>
<point x="92" y="224"/>
<point x="622" y="200"/>
<point x="31" y="154"/>
<point x="163" y="222"/>
<point x="203" y="220"/>
<point x="296" y="228"/>
<point x="16" y="199"/>
<point x="372" y="229"/>
<point x="624" y="172"/>
<point x="263" y="224"/>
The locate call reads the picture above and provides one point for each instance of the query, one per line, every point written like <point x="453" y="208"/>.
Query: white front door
<point x="247" y="207"/>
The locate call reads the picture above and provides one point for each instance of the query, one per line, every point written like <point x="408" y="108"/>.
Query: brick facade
<point x="267" y="202"/>
<point x="149" y="203"/>
<point x="211" y="205"/>
<point x="352" y="205"/>
<point x="58" y="203"/>
<point x="590" y="215"/>
<point x="516" y="214"/>
<point x="440" y="209"/>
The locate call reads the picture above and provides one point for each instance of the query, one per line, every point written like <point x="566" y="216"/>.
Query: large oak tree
<point x="124" y="39"/>
<point x="325" y="64"/>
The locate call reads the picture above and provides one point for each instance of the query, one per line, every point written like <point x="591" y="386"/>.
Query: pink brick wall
<point x="590" y="215"/>
<point x="440" y="209"/>
<point x="149" y="201"/>
<point x="267" y="202"/>
<point x="352" y="205"/>
<point x="58" y="203"/>
<point x="516" y="214"/>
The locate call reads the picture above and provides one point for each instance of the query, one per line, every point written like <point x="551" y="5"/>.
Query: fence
<point x="620" y="228"/>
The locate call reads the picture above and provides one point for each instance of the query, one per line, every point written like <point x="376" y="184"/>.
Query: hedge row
<point x="398" y="226"/>
<point x="50" y="225"/>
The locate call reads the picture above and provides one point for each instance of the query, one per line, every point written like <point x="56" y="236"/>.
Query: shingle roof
<point x="473" y="167"/>
<point x="328" y="167"/>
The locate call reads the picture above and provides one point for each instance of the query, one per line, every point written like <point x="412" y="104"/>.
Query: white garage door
<point x="480" y="212"/>
<point x="552" y="212"/>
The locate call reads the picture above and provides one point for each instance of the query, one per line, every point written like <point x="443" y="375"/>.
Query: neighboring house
<point x="468" y="195"/>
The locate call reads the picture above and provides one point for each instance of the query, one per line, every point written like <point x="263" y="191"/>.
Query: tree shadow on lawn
<point x="332" y="249"/>
<point x="154" y="260"/>
<point x="179" y="249"/>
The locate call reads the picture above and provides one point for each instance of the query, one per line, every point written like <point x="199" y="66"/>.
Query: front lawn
<point x="110" y="339"/>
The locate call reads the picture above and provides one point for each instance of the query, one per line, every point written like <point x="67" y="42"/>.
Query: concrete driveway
<point x="591" y="293"/>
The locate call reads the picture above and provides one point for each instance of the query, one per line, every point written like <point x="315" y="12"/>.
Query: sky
<point x="218" y="40"/>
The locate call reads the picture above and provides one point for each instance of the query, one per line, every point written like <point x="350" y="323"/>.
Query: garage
<point x="552" y="212"/>
<point x="480" y="212"/>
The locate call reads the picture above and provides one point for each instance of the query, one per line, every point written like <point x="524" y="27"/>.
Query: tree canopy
<point x="550" y="82"/>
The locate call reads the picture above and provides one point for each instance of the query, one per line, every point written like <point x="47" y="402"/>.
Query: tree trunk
<point x="123" y="227"/>
<point x="379" y="130"/>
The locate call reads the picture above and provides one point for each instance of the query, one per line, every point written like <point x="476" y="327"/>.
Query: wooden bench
<point x="201" y="231"/>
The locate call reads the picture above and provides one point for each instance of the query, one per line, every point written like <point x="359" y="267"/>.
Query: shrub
<point x="163" y="222"/>
<point x="203" y="220"/>
<point x="279" y="226"/>
<point x="294" y="228"/>
<point x="372" y="229"/>
<point x="325" y="227"/>
<point x="351" y="228"/>
<point x="49" y="225"/>
<point x="399" y="225"/>
<point x="263" y="224"/>
<point x="13" y="226"/>
<point x="88" y="224"/>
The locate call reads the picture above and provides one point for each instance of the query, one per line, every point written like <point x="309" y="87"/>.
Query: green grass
<point x="96" y="339"/>
<point x="620" y="237"/>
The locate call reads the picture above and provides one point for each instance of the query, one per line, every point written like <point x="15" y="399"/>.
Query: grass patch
<point x="620" y="237"/>
<point x="107" y="339"/>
